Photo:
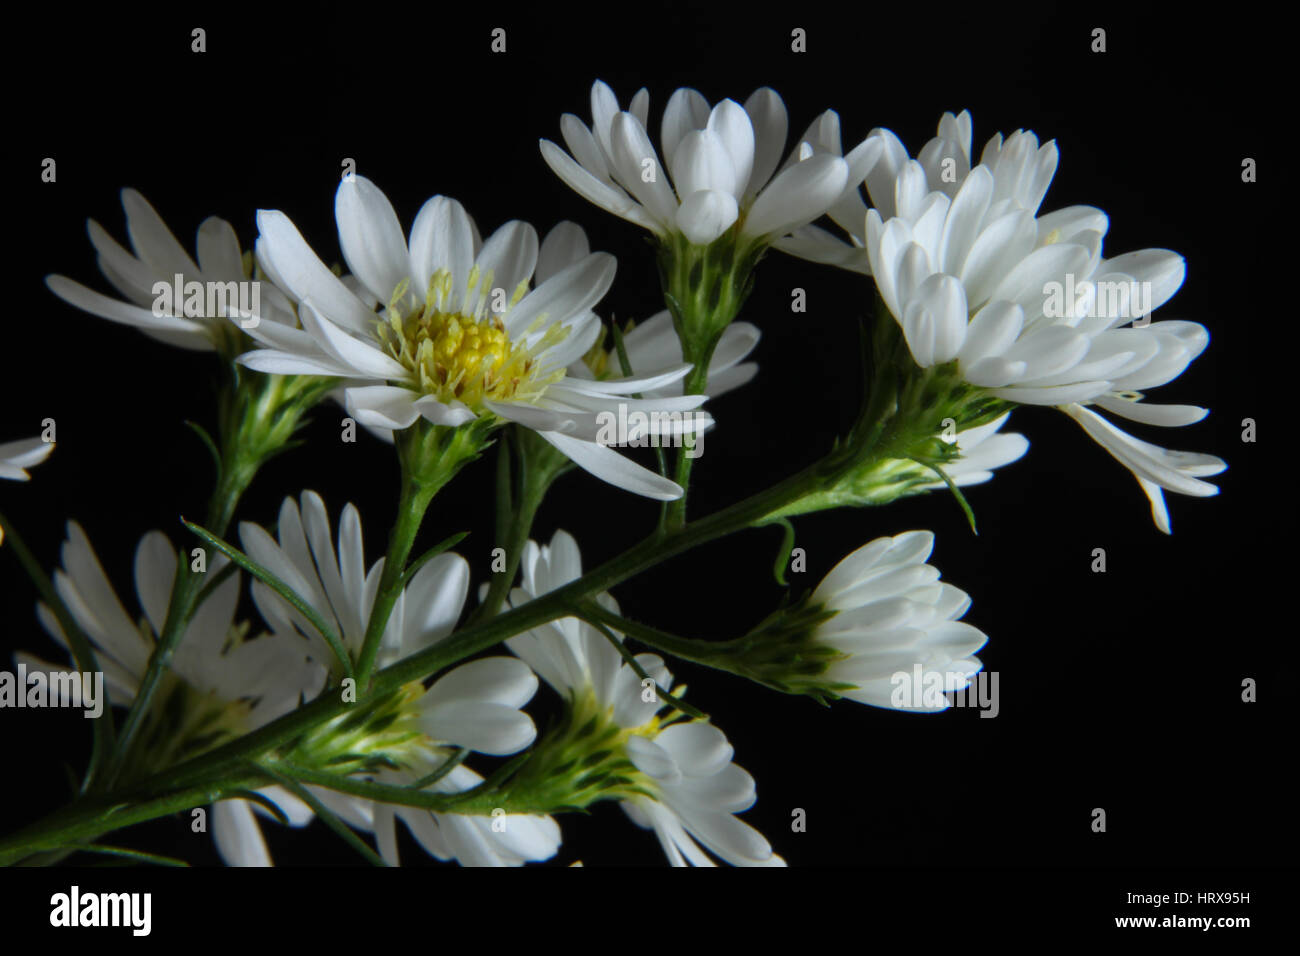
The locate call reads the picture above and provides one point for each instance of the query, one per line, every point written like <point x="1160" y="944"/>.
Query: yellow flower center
<point x="463" y="351"/>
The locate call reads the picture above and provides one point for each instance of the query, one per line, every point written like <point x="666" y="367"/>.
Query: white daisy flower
<point x="721" y="160"/>
<point x="1025" y="304"/>
<point x="893" y="617"/>
<point x="654" y="344"/>
<point x="17" y="456"/>
<point x="220" y="685"/>
<point x="683" y="783"/>
<point x="157" y="302"/>
<point x="475" y="706"/>
<point x="462" y="336"/>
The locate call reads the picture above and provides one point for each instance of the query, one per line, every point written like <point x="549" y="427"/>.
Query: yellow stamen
<point x="467" y="354"/>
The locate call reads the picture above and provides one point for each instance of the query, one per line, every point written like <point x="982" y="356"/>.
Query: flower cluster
<point x="362" y="691"/>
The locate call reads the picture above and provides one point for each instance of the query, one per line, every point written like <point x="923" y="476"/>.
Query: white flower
<point x="721" y="160"/>
<point x="462" y="335"/>
<point x="894" y="617"/>
<point x="686" y="765"/>
<point x="476" y="705"/>
<point x="224" y="685"/>
<point x="146" y="278"/>
<point x="1022" y="170"/>
<point x="654" y="343"/>
<point x="1025" y="304"/>
<point x="17" y="456"/>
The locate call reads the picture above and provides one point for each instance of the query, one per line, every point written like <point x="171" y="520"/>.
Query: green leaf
<point x="261" y="799"/>
<point x="448" y="765"/>
<point x="443" y="545"/>
<point x="137" y="856"/>
<point x="207" y="442"/>
<point x="961" y="499"/>
<point x="325" y="813"/>
<point x="628" y="656"/>
<point x="280" y="588"/>
<point x="217" y="580"/>
<point x="783" y="555"/>
<point x="493" y="781"/>
<point x="624" y="362"/>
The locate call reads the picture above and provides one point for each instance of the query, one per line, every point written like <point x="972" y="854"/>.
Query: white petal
<point x="797" y="196"/>
<point x="284" y="251"/>
<point x="608" y="465"/>
<point x="373" y="245"/>
<point x="706" y="214"/>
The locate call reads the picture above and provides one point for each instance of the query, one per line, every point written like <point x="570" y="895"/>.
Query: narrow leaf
<point x="956" y="492"/>
<point x="783" y="553"/>
<point x="444" y="545"/>
<point x="628" y="656"/>
<point x="280" y="588"/>
<point x="325" y="813"/>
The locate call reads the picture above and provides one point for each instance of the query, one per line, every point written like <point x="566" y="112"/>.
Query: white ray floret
<point x="17" y="456"/>
<point x="654" y="344"/>
<point x="155" y="300"/>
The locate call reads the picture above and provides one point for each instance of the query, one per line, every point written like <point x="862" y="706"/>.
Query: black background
<point x="1119" y="690"/>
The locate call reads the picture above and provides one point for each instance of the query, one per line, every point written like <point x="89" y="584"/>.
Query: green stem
<point x="430" y="456"/>
<point x="411" y="507"/>
<point x="688" y="649"/>
<point x="232" y="482"/>
<point x="85" y="820"/>
<point x="695" y="384"/>
<point x="704" y="288"/>
<point x="257" y="416"/>
<point x="537" y="465"/>
<point x="208" y="772"/>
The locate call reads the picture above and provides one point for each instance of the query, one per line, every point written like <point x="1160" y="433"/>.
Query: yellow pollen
<point x="597" y="359"/>
<point x="462" y="351"/>
<point x="605" y="362"/>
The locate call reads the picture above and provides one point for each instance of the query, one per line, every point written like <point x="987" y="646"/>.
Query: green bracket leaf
<point x="137" y="856"/>
<point x="207" y="442"/>
<point x="628" y="656"/>
<point x="261" y="799"/>
<point x="783" y="554"/>
<point x="956" y="492"/>
<point x="327" y="815"/>
<point x="445" y="544"/>
<point x="448" y="765"/>
<point x="280" y="588"/>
